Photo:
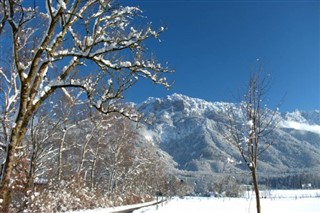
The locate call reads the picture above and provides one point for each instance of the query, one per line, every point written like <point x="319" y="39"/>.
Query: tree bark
<point x="256" y="190"/>
<point x="60" y="159"/>
<point x="83" y="153"/>
<point x="9" y="164"/>
<point x="94" y="163"/>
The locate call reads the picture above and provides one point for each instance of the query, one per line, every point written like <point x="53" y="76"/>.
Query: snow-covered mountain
<point x="191" y="130"/>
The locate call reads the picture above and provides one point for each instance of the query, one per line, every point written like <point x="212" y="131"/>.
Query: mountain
<point x="191" y="132"/>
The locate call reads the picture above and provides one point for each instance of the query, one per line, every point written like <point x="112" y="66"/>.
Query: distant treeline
<point x="294" y="181"/>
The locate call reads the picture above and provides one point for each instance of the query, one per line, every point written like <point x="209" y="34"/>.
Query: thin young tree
<point x="40" y="147"/>
<point x="250" y="123"/>
<point x="93" y="46"/>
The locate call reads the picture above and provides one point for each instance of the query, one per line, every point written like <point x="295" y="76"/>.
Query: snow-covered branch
<point x="90" y="46"/>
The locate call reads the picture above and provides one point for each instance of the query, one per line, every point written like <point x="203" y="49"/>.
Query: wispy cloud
<point x="300" y="126"/>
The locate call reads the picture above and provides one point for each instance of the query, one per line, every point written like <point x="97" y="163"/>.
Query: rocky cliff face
<point x="192" y="130"/>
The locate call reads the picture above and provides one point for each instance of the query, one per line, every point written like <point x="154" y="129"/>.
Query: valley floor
<point x="293" y="201"/>
<point x="237" y="205"/>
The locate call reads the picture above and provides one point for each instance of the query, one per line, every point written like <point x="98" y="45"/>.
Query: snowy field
<point x="237" y="205"/>
<point x="293" y="201"/>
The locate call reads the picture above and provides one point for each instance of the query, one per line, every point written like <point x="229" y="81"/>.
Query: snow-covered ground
<point x="238" y="205"/>
<point x="114" y="209"/>
<point x="293" y="201"/>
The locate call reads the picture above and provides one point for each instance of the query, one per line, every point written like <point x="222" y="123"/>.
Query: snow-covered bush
<point x="94" y="47"/>
<point x="65" y="196"/>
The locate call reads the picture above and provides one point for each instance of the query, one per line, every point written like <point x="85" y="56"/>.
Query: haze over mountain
<point x="191" y="132"/>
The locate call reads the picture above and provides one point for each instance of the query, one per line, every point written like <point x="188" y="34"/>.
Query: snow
<point x="309" y="122"/>
<point x="293" y="201"/>
<point x="75" y="37"/>
<point x="25" y="75"/>
<point x="114" y="209"/>
<point x="147" y="134"/>
<point x="99" y="102"/>
<point x="110" y="81"/>
<point x="125" y="64"/>
<point x="36" y="99"/>
<point x="67" y="94"/>
<point x="62" y="4"/>
<point x="88" y="40"/>
<point x="192" y="106"/>
<point x="239" y="205"/>
<point x="22" y="66"/>
<point x="229" y="160"/>
<point x="4" y="75"/>
<point x="105" y="62"/>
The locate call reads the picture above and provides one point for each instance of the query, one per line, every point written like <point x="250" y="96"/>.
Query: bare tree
<point x="8" y="95"/>
<point x="119" y="162"/>
<point x="120" y="152"/>
<point x="91" y="46"/>
<point x="250" y="123"/>
<point x="40" y="145"/>
<point x="151" y="175"/>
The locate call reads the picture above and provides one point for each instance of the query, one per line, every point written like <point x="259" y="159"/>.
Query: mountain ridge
<point x="190" y="131"/>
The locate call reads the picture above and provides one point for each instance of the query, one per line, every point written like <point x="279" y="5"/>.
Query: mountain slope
<point x="192" y="130"/>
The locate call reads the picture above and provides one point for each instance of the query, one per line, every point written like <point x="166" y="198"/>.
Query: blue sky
<point x="214" y="45"/>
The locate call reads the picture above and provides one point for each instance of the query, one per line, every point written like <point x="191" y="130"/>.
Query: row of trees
<point x="92" y="51"/>
<point x="294" y="181"/>
<point x="66" y="150"/>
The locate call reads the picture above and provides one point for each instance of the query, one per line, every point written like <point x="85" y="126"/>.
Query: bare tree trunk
<point x="33" y="55"/>
<point x="94" y="163"/>
<point x="83" y="153"/>
<point x="111" y="181"/>
<point x="89" y="139"/>
<point x="61" y="146"/>
<point x="9" y="164"/>
<point x="32" y="165"/>
<point x="8" y="168"/>
<point x="255" y="123"/>
<point x="256" y="189"/>
<point x="92" y="177"/>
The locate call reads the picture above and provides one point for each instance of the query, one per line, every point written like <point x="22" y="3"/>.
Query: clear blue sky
<point x="213" y="46"/>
